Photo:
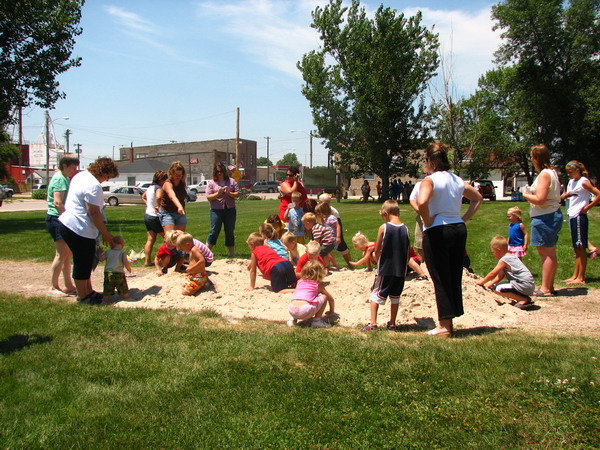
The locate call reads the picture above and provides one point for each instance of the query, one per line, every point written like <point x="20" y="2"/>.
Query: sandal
<point x="94" y="298"/>
<point x="594" y="253"/>
<point x="369" y="327"/>
<point x="391" y="326"/>
<point x="57" y="293"/>
<point x="422" y="278"/>
<point x="523" y="306"/>
<point x="540" y="293"/>
<point x="440" y="332"/>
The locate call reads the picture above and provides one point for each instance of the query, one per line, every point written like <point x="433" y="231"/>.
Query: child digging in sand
<point x="312" y="254"/>
<point x="391" y="251"/>
<point x="200" y="258"/>
<point x="114" y="270"/>
<point x="521" y="284"/>
<point x="167" y="255"/>
<point x="273" y="267"/>
<point x="310" y="297"/>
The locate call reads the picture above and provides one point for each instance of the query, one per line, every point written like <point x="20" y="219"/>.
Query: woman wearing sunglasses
<point x="291" y="184"/>
<point x="221" y="192"/>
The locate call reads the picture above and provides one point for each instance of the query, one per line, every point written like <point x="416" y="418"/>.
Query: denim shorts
<point x="545" y="228"/>
<point x="167" y="218"/>
<point x="53" y="227"/>
<point x="153" y="224"/>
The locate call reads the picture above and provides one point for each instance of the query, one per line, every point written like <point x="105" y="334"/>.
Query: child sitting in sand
<point x="294" y="214"/>
<point x="360" y="242"/>
<point x="295" y="250"/>
<point x="310" y="297"/>
<point x="167" y="255"/>
<point x="521" y="283"/>
<point x="312" y="254"/>
<point x="271" y="239"/>
<point x="273" y="267"/>
<point x="200" y="258"/>
<point x="114" y="270"/>
<point x="391" y="251"/>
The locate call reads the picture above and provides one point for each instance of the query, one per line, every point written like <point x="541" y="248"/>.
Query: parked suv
<point x="8" y="191"/>
<point x="198" y="188"/>
<point x="487" y="190"/>
<point x="265" y="186"/>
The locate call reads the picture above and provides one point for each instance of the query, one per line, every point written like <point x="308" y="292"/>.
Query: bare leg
<point x="549" y="266"/>
<point x="394" y="312"/>
<point x="580" y="267"/>
<point x="151" y="239"/>
<point x="374" y="309"/>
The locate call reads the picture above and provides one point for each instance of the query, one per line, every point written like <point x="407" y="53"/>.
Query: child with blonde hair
<point x="362" y="243"/>
<point x="271" y="239"/>
<point x="295" y="250"/>
<point x="341" y="246"/>
<point x="167" y="255"/>
<point x="320" y="233"/>
<point x="518" y="238"/>
<point x="293" y="214"/>
<point x="312" y="254"/>
<point x="200" y="258"/>
<point x="273" y="267"/>
<point x="520" y="280"/>
<point x="310" y="297"/>
<point x="114" y="270"/>
<point x="391" y="251"/>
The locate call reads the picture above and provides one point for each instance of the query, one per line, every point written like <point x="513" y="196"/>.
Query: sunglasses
<point x="289" y="174"/>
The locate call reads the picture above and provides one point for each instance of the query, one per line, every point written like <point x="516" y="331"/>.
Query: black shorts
<point x="153" y="224"/>
<point x="282" y="276"/>
<point x="53" y="227"/>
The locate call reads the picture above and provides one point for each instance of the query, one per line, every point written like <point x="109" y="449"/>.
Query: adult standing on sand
<point x="445" y="233"/>
<point x="291" y="184"/>
<point x="57" y="194"/>
<point x="83" y="220"/>
<point x="546" y="216"/>
<point x="221" y="192"/>
<point x="152" y="198"/>
<point x="172" y="202"/>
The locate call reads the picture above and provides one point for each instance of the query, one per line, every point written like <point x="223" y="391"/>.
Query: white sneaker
<point x="292" y="322"/>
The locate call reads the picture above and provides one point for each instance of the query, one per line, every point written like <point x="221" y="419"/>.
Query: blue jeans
<point x="219" y="218"/>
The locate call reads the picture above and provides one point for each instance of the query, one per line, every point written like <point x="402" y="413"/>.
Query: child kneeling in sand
<point x="295" y="250"/>
<point x="312" y="254"/>
<point x="167" y="255"/>
<point x="391" y="251"/>
<point x="310" y="297"/>
<point x="200" y="258"/>
<point x="521" y="283"/>
<point x="114" y="270"/>
<point x="278" y="270"/>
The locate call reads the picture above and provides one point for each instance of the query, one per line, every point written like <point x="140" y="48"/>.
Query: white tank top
<point x="151" y="200"/>
<point x="446" y="199"/>
<point x="580" y="200"/>
<point x="552" y="203"/>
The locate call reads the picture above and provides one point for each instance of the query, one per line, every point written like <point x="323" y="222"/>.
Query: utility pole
<point x="237" y="140"/>
<point x="268" y="138"/>
<point x="67" y="134"/>
<point x="310" y="134"/>
<point x="78" y="152"/>
<point x="47" y="125"/>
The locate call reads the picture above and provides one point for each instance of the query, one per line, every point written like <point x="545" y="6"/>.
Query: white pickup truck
<point x="198" y="188"/>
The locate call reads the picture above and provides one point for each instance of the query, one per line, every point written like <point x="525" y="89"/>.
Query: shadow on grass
<point x="477" y="331"/>
<point x="571" y="292"/>
<point x="18" y="342"/>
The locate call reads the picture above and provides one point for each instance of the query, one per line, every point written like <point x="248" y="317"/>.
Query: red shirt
<point x="266" y="258"/>
<point x="303" y="260"/>
<point x="285" y="200"/>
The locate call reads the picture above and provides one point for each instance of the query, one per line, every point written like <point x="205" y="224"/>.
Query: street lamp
<point x="310" y="135"/>
<point x="48" y="123"/>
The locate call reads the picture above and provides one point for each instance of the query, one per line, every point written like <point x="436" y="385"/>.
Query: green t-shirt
<point x="58" y="183"/>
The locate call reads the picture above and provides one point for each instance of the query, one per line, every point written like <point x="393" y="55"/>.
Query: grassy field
<point x="29" y="240"/>
<point x="76" y="376"/>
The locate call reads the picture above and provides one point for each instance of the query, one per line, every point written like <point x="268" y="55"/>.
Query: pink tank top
<point x="306" y="290"/>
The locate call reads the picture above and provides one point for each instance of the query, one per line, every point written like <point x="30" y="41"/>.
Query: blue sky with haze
<point x="159" y="71"/>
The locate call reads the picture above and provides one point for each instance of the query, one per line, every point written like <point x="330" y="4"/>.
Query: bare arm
<point x="379" y="242"/>
<point x="59" y="201"/>
<point x="476" y="199"/>
<point x="126" y="263"/>
<point x="526" y="239"/>
<point x="367" y="256"/>
<point x="252" y="269"/>
<point x="494" y="276"/>
<point x="329" y="298"/>
<point x="541" y="191"/>
<point x="423" y="201"/>
<point x="95" y="213"/>
<point x="589" y="187"/>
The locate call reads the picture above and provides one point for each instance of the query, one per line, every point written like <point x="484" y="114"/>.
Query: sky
<point x="156" y="71"/>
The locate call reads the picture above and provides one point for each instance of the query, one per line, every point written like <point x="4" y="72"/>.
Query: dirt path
<point x="575" y="310"/>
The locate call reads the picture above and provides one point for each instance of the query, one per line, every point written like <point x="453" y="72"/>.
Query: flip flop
<point x="594" y="253"/>
<point x="57" y="293"/>
<point x="523" y="306"/>
<point x="540" y="293"/>
<point x="94" y="298"/>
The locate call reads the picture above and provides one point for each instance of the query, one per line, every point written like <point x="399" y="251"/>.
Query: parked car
<point x="124" y="194"/>
<point x="144" y="185"/>
<point x="486" y="189"/>
<point x="38" y="187"/>
<point x="8" y="191"/>
<point x="191" y="195"/>
<point x="199" y="188"/>
<point x="244" y="184"/>
<point x="265" y="186"/>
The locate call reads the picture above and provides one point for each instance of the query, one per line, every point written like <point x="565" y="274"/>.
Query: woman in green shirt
<point x="57" y="194"/>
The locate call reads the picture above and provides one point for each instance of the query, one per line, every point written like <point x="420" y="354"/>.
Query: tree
<point x="365" y="86"/>
<point x="555" y="48"/>
<point x="8" y="152"/>
<point x="289" y="159"/>
<point x="263" y="161"/>
<point x="36" y="41"/>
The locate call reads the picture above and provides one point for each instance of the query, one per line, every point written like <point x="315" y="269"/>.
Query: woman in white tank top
<point x="151" y="219"/>
<point x="546" y="216"/>
<point x="445" y="233"/>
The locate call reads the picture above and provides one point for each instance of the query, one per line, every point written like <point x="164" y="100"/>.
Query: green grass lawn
<point x="77" y="376"/>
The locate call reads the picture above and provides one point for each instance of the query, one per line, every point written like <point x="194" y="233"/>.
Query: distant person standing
<point x="365" y="190"/>
<point x="221" y="192"/>
<point x="291" y="184"/>
<point x="378" y="191"/>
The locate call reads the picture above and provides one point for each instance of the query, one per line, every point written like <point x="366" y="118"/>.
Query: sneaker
<point x="164" y="270"/>
<point x="369" y="327"/>
<point x="319" y="323"/>
<point x="292" y="322"/>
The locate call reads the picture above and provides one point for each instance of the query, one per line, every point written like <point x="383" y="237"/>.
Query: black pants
<point x="83" y="250"/>
<point x="444" y="248"/>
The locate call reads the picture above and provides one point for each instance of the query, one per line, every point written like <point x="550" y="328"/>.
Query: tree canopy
<point x="289" y="159"/>
<point x="8" y="152"/>
<point x="365" y="86"/>
<point x="263" y="161"/>
<point x="36" y="42"/>
<point x="554" y="47"/>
